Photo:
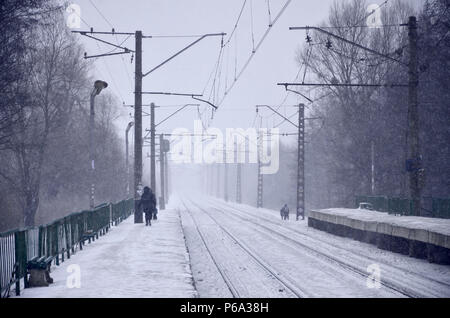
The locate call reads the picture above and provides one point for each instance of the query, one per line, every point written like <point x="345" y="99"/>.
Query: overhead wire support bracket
<point x="102" y="55"/>
<point x="193" y="96"/>
<point x="127" y="50"/>
<point x="182" y="50"/>
<point x="176" y="112"/>
<point x="342" y="85"/>
<point x="298" y="93"/>
<point x="97" y="32"/>
<point x="205" y="101"/>
<point x="348" y="42"/>
<point x="276" y="112"/>
<point x="170" y="94"/>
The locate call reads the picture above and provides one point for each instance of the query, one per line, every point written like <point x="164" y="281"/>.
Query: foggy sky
<point x="274" y="61"/>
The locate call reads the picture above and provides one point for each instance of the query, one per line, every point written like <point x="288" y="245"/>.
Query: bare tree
<point x="353" y="114"/>
<point x="49" y="80"/>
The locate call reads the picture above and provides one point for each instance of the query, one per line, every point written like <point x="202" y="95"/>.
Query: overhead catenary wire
<point x="252" y="30"/>
<point x="212" y="71"/>
<point x="288" y="93"/>
<point x="236" y="23"/>
<point x="238" y="72"/>
<point x="117" y="41"/>
<point x="95" y="59"/>
<point x="250" y="58"/>
<point x="269" y="13"/>
<point x="111" y="76"/>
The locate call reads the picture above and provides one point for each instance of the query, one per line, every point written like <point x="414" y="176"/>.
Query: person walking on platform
<point x="148" y="204"/>
<point x="284" y="212"/>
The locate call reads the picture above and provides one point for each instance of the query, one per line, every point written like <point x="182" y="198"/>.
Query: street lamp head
<point x="99" y="85"/>
<point x="130" y="124"/>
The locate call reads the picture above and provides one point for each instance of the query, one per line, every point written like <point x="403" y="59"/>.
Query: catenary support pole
<point x="138" y="128"/>
<point x="162" y="200"/>
<point x="301" y="163"/>
<point x="259" y="203"/>
<point x="152" y="148"/>
<point x="413" y="120"/>
<point x="166" y="178"/>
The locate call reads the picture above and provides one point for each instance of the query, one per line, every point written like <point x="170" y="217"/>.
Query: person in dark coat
<point x="148" y="204"/>
<point x="284" y="212"/>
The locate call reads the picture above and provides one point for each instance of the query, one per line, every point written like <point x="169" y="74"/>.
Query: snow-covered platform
<point x="132" y="260"/>
<point x="420" y="237"/>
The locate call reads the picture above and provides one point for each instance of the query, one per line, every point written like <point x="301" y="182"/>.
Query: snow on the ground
<point x="137" y="261"/>
<point x="425" y="279"/>
<point x="208" y="281"/>
<point x="132" y="260"/>
<point x="437" y="225"/>
<point x="311" y="275"/>
<point x="220" y="267"/>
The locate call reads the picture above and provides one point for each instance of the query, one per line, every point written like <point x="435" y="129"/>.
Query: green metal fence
<point x="434" y="207"/>
<point x="59" y="239"/>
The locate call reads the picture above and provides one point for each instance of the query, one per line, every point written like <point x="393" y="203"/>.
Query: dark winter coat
<point x="148" y="201"/>
<point x="284" y="210"/>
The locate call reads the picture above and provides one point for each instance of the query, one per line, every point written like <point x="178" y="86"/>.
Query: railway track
<point x="388" y="283"/>
<point x="283" y="281"/>
<point x="359" y="256"/>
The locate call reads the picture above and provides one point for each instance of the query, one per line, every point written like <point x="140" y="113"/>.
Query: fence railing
<point x="431" y="207"/>
<point x="59" y="239"/>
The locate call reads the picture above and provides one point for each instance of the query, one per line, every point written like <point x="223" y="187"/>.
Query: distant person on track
<point x="148" y="204"/>
<point x="284" y="212"/>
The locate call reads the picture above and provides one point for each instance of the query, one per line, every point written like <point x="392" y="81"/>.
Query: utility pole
<point x="413" y="120"/>
<point x="259" y="202"/>
<point x="152" y="148"/>
<point x="138" y="218"/>
<point x="414" y="160"/>
<point x="138" y="128"/>
<point x="166" y="173"/>
<point x="127" y="156"/>
<point x="300" y="155"/>
<point x="301" y="162"/>
<point x="162" y="200"/>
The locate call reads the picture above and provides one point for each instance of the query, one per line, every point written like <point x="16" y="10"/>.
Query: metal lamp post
<point x="98" y="87"/>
